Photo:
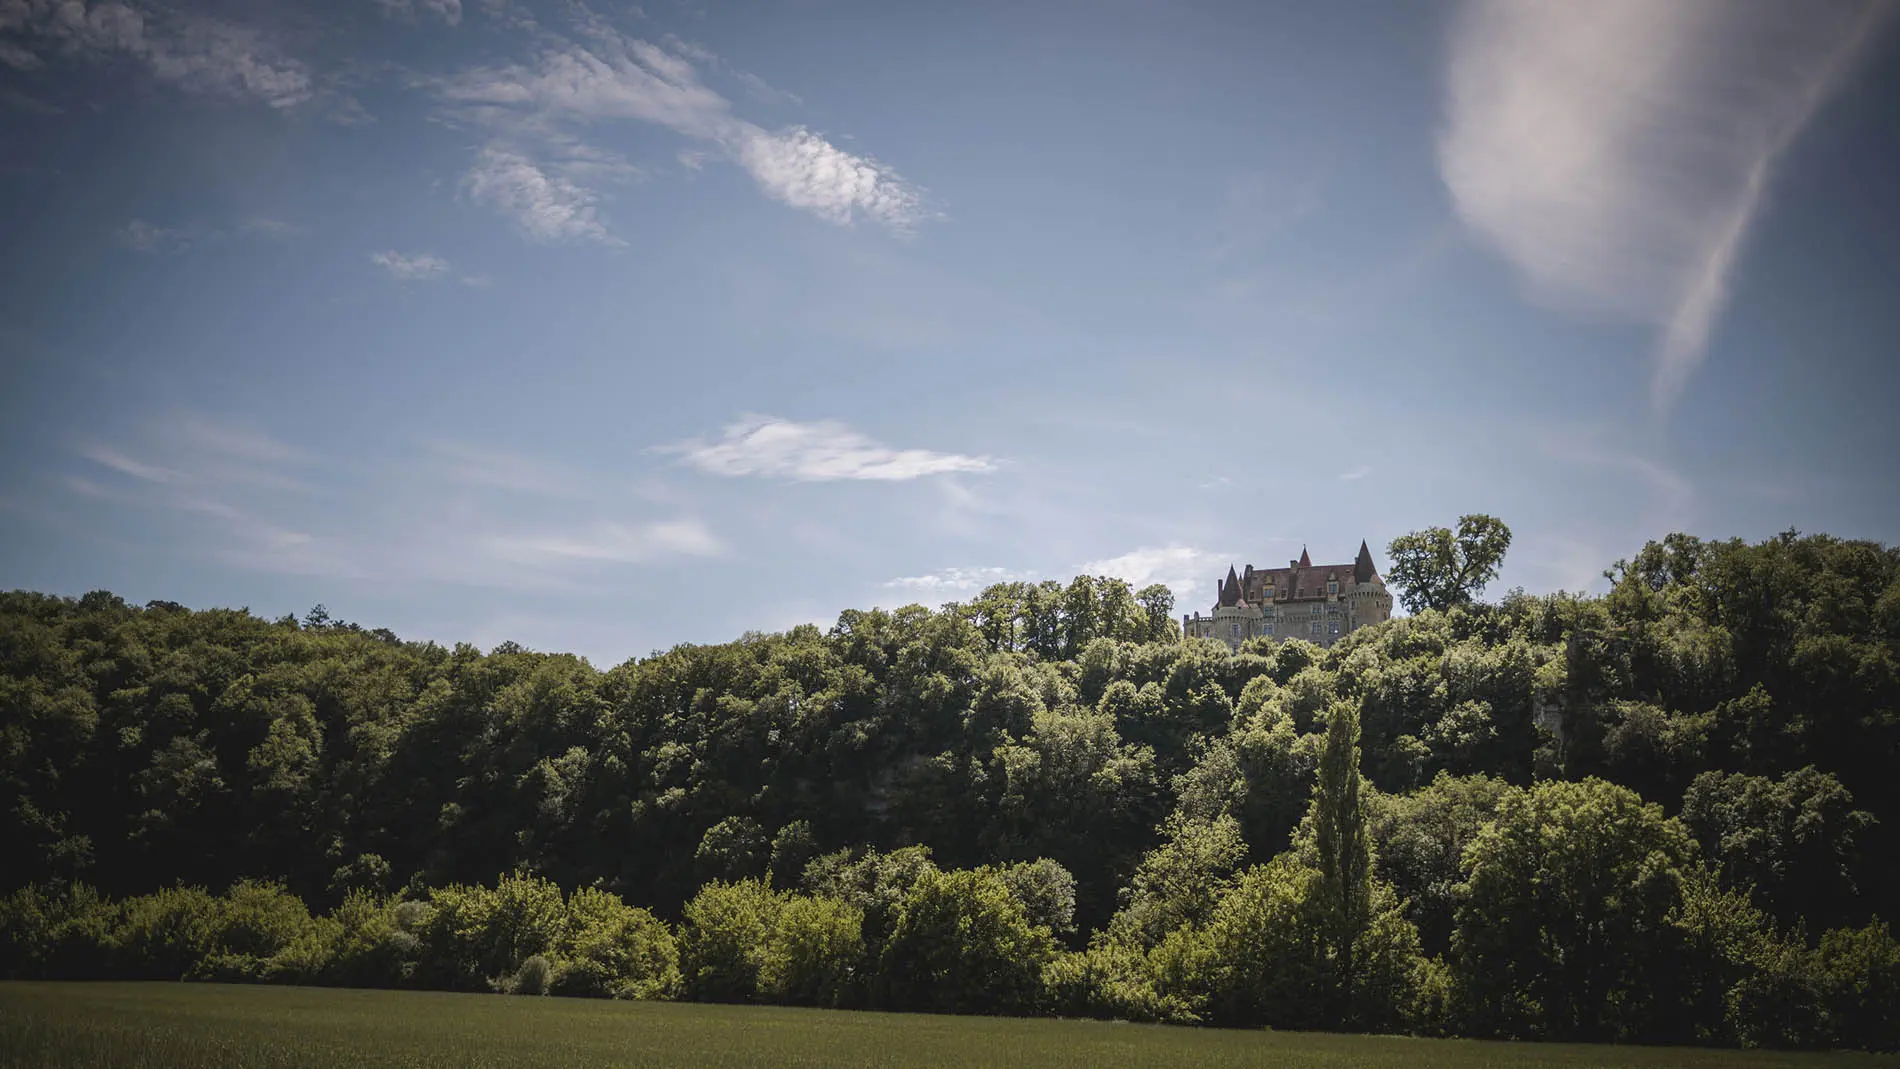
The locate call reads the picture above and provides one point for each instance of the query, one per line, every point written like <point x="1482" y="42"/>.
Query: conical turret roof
<point x="1362" y="570"/>
<point x="1230" y="589"/>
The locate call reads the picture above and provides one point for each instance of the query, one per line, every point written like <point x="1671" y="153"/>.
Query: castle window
<point x="1316" y="627"/>
<point x="1332" y="588"/>
<point x="1335" y="627"/>
<point x="1236" y="630"/>
<point x="1269" y="628"/>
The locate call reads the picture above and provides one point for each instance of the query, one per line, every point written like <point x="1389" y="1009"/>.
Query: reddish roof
<point x="1300" y="580"/>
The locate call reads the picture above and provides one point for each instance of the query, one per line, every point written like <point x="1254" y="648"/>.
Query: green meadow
<point x="187" y="1026"/>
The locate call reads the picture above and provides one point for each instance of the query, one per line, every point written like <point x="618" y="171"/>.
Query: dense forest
<point x="1665" y="814"/>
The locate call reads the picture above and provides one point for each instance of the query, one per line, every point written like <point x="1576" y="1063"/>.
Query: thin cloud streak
<point x="191" y="52"/>
<point x="142" y="236"/>
<point x="956" y="580"/>
<point x="418" y="268"/>
<point x="449" y="11"/>
<point x="611" y="543"/>
<point x="451" y="516"/>
<point x="823" y="451"/>
<point x="614" y="77"/>
<point x="1617" y="153"/>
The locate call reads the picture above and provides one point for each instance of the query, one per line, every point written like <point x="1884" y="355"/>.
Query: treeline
<point x="1666" y="814"/>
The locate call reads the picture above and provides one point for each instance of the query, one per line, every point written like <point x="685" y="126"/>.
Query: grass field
<point x="204" y="1025"/>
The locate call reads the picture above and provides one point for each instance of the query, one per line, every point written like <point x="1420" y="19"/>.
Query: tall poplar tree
<point x="1342" y="851"/>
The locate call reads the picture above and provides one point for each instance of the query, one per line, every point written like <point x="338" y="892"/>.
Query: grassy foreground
<point x="192" y="1025"/>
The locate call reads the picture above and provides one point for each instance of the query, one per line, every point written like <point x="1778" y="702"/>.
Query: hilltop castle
<point x="1317" y="603"/>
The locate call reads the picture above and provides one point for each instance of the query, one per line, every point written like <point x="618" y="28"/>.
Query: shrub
<point x="474" y="936"/>
<point x="722" y="936"/>
<point x="166" y="934"/>
<point x="1261" y="959"/>
<point x="814" y="952"/>
<point x="259" y="921"/>
<point x="612" y="950"/>
<point x="1110" y="981"/>
<point x="963" y="944"/>
<point x="531" y="979"/>
<point x="1859" y="975"/>
<point x="57" y="935"/>
<point x="368" y="947"/>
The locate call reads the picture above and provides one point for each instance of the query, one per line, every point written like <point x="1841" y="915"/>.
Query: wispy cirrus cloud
<point x="418" y="268"/>
<point x="611" y="543"/>
<point x="448" y="515"/>
<point x="1617" y="152"/>
<point x="1355" y="474"/>
<point x="545" y="207"/>
<point x="449" y="11"/>
<point x="192" y="467"/>
<point x="534" y="108"/>
<point x="150" y="237"/>
<point x="821" y="451"/>
<point x="955" y="580"/>
<point x="192" y="52"/>
<point x="143" y="235"/>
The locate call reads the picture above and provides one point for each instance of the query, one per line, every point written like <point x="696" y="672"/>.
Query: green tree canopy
<point x="1567" y="915"/>
<point x="1438" y="568"/>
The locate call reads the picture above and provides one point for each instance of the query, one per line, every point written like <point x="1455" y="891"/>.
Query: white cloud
<point x="1182" y="569"/>
<point x="449" y="515"/>
<point x="105" y="456"/>
<point x="613" y="77"/>
<point x="1356" y="474"/>
<point x="220" y="439"/>
<point x="18" y="58"/>
<point x="145" y="236"/>
<point x="611" y="543"/>
<point x="204" y="457"/>
<point x="193" y="52"/>
<point x="150" y="237"/>
<point x="816" y="452"/>
<point x="956" y="580"/>
<point x="764" y="92"/>
<point x="545" y="207"/>
<point x="449" y="11"/>
<point x="1617" y="152"/>
<point x="419" y="268"/>
<point x="805" y="171"/>
<point x="204" y="470"/>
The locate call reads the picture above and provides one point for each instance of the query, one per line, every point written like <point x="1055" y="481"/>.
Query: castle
<point x="1316" y="603"/>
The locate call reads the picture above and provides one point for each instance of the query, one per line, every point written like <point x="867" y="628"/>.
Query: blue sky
<point x="604" y="328"/>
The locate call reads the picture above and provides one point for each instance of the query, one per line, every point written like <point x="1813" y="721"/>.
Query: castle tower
<point x="1320" y="604"/>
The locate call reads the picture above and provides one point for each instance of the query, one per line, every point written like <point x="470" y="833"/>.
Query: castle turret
<point x="1321" y="603"/>
<point x="1230" y="589"/>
